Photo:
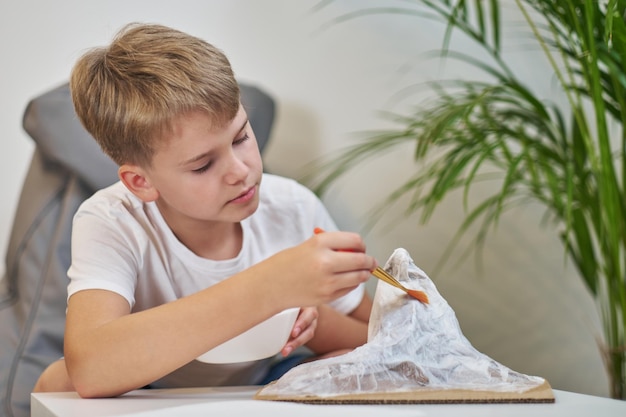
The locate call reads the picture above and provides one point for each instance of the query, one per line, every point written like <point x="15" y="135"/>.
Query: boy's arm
<point x="337" y="332"/>
<point x="109" y="351"/>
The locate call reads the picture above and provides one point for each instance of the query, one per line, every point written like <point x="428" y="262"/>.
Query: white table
<point x="237" y="401"/>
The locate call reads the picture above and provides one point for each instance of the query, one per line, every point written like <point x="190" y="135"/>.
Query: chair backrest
<point x="66" y="168"/>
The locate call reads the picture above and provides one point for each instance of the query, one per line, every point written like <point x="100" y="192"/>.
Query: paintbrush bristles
<point x="418" y="295"/>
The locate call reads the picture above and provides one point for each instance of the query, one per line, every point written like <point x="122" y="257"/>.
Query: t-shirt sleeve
<point x="101" y="256"/>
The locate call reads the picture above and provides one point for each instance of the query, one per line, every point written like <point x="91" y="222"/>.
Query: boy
<point x="193" y="229"/>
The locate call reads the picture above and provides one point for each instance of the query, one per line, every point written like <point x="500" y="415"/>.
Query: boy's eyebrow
<point x="243" y="126"/>
<point x="205" y="154"/>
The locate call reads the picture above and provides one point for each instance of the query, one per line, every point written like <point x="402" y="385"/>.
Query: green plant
<point x="570" y="158"/>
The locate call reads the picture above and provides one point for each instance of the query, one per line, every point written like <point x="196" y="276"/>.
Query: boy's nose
<point x="237" y="171"/>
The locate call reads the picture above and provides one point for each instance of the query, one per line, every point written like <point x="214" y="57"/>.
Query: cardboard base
<point x="540" y="394"/>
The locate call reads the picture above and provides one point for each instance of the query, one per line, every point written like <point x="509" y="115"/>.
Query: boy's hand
<point x="319" y="270"/>
<point x="303" y="330"/>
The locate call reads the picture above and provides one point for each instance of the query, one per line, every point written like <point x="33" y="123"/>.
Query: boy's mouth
<point x="245" y="196"/>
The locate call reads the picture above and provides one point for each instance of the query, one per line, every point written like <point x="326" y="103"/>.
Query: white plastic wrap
<point x="411" y="346"/>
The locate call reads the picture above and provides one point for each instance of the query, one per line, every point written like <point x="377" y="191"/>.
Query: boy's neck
<point x="216" y="241"/>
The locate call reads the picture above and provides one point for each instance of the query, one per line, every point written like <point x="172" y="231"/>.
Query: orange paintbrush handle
<point x="389" y="279"/>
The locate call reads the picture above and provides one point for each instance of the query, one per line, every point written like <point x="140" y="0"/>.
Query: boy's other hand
<point x="303" y="330"/>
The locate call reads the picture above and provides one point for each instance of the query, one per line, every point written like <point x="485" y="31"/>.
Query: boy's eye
<point x="206" y="166"/>
<point x="241" y="139"/>
<point x="202" y="169"/>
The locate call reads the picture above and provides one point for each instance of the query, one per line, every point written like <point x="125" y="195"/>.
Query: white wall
<point x="525" y="307"/>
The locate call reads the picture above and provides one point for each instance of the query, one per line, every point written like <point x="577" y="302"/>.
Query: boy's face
<point x="206" y="174"/>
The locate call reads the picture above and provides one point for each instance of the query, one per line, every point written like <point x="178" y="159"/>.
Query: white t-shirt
<point x="121" y="244"/>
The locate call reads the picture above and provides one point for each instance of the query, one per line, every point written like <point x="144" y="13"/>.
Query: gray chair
<point x="67" y="167"/>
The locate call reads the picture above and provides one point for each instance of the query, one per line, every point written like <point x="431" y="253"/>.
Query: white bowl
<point x="261" y="341"/>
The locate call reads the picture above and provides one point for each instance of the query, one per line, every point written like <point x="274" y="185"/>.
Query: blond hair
<point x="128" y="94"/>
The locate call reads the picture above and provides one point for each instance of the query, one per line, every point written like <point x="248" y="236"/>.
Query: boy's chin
<point x="250" y="209"/>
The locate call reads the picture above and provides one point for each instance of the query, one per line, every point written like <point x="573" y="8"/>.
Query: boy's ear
<point x="135" y="179"/>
